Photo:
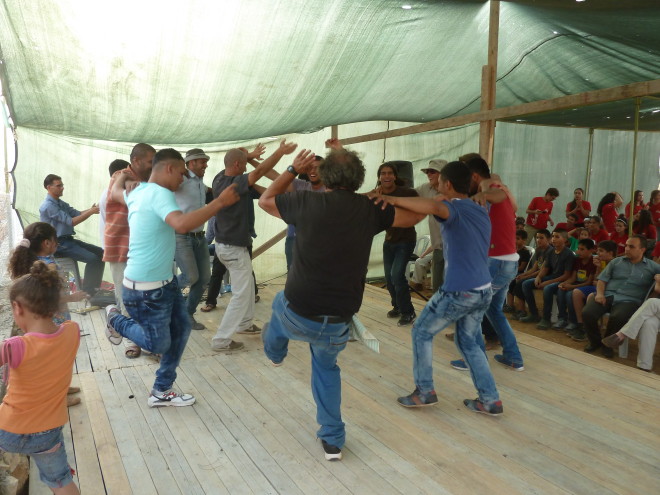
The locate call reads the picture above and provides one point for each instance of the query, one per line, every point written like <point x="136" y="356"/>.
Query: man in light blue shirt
<point x="159" y="321"/>
<point x="64" y="218"/>
<point x="192" y="254"/>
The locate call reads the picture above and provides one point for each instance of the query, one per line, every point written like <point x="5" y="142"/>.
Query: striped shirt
<point x="116" y="225"/>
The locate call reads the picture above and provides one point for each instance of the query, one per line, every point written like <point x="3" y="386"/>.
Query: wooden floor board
<point x="573" y="423"/>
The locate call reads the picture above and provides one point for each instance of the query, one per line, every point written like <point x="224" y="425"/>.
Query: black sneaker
<point x="494" y="409"/>
<point x="393" y="313"/>
<point x="579" y="335"/>
<point x="406" y="320"/>
<point x="332" y="453"/>
<point x="195" y="325"/>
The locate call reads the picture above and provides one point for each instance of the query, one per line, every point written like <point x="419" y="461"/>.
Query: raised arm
<point x="185" y="222"/>
<point x="264" y="167"/>
<point x="301" y="164"/>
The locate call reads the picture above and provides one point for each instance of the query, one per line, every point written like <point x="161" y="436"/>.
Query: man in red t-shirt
<point x="538" y="213"/>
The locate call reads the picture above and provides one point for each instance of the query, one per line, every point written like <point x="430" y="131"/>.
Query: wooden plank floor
<point x="573" y="423"/>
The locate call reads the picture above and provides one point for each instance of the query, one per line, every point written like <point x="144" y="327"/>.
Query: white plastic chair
<point x="421" y="246"/>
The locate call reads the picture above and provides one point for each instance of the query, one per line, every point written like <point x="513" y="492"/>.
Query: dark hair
<point x="391" y="166"/>
<point x="561" y="232"/>
<point x="605" y="200"/>
<point x="459" y="175"/>
<point x="572" y="215"/>
<point x="22" y="258"/>
<point x="643" y="243"/>
<point x="166" y="155"/>
<point x="573" y="204"/>
<point x="521" y="233"/>
<point x="342" y="169"/>
<point x="637" y="192"/>
<point x="588" y="243"/>
<point x="38" y="290"/>
<point x="520" y="220"/>
<point x="597" y="219"/>
<point x="50" y="178"/>
<point x="478" y="166"/>
<point x="117" y="165"/>
<point x="653" y="195"/>
<point x="552" y="191"/>
<point x="544" y="232"/>
<point x="609" y="246"/>
<point x="318" y="158"/>
<point x="141" y="149"/>
<point x="468" y="156"/>
<point x="645" y="219"/>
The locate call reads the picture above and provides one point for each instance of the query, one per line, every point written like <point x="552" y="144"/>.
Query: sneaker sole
<point x="406" y="324"/>
<point x="165" y="403"/>
<point x="459" y="368"/>
<point x="417" y="405"/>
<point x="483" y="412"/>
<point x="114" y="340"/>
<point x="227" y="349"/>
<point x="249" y="332"/>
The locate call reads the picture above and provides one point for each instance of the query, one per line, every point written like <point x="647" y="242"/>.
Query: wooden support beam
<point x="488" y="83"/>
<point x="269" y="243"/>
<point x="334" y="132"/>
<point x="595" y="97"/>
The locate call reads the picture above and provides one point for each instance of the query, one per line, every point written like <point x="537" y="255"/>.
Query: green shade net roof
<point x="206" y="72"/>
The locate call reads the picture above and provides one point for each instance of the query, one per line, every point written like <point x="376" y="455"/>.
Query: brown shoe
<point x="613" y="341"/>
<point x="133" y="352"/>
<point x="73" y="390"/>
<point x="72" y="401"/>
<point x="233" y="346"/>
<point x="207" y="308"/>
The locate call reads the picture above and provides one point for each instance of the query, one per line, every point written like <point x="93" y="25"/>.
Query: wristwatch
<point x="292" y="170"/>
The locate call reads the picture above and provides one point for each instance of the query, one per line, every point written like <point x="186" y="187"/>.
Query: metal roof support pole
<point x="488" y="82"/>
<point x="638" y="102"/>
<point x="590" y="154"/>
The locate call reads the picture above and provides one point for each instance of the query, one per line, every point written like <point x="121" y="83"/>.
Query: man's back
<point x="334" y="235"/>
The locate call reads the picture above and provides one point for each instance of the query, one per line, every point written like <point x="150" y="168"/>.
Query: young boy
<point x="620" y="236"/>
<point x="605" y="253"/>
<point x="535" y="264"/>
<point x="524" y="257"/>
<point x="556" y="269"/>
<point x="539" y="210"/>
<point x="581" y="276"/>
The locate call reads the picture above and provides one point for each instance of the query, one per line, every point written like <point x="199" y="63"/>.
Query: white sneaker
<point x="113" y="336"/>
<point x="170" y="398"/>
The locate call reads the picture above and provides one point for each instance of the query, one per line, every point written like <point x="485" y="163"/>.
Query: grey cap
<point x="436" y="165"/>
<point x="196" y="154"/>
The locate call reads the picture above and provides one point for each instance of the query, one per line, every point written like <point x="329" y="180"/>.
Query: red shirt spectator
<point x="639" y="203"/>
<point x="620" y="240"/>
<point x="654" y="207"/>
<point x="578" y="206"/>
<point x="608" y="209"/>
<point x="540" y="208"/>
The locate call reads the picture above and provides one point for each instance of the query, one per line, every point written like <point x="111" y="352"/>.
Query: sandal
<point x="133" y="352"/>
<point x="207" y="308"/>
<point x="73" y="390"/>
<point x="72" y="401"/>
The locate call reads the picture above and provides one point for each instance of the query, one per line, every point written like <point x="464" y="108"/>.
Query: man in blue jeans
<point x="159" y="321"/>
<point x="64" y="218"/>
<point x="464" y="296"/>
<point x="324" y="287"/>
<point x="502" y="257"/>
<point x="192" y="252"/>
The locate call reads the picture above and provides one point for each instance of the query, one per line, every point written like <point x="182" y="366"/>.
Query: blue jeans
<point x="192" y="258"/>
<point x="46" y="448"/>
<point x="396" y="256"/>
<point x="160" y="324"/>
<point x="466" y="310"/>
<point x="326" y="341"/>
<point x="502" y="273"/>
<point x="528" y="292"/>
<point x="566" y="297"/>
<point x="91" y="255"/>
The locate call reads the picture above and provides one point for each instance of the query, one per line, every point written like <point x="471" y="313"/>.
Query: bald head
<point x="233" y="156"/>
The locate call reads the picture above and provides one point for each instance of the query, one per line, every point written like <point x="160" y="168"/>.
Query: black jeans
<point x="620" y="313"/>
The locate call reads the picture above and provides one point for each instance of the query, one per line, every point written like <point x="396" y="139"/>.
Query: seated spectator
<point x="520" y="223"/>
<point x="620" y="235"/>
<point x="582" y="275"/>
<point x="524" y="255"/>
<point x="620" y="290"/>
<point x="643" y="225"/>
<point x="656" y="253"/>
<point x="654" y="207"/>
<point x="608" y="209"/>
<point x="639" y="204"/>
<point x="578" y="207"/>
<point x="64" y="218"/>
<point x="556" y="269"/>
<point x="645" y="323"/>
<point x="596" y="230"/>
<point x="538" y="212"/>
<point x="543" y="247"/>
<point x="605" y="253"/>
<point x="570" y="224"/>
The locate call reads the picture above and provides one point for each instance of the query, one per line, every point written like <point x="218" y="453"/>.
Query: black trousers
<point x="620" y="313"/>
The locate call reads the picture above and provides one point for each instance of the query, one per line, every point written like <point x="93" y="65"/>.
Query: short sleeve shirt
<point x="583" y="271"/>
<point x="627" y="281"/>
<point x="232" y="224"/>
<point x="539" y="220"/>
<point x="559" y="263"/>
<point x="426" y="191"/>
<point x="152" y="242"/>
<point x="402" y="234"/>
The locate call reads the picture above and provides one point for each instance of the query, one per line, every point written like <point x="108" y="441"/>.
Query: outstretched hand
<point x="303" y="161"/>
<point x="287" y="148"/>
<point x="256" y="153"/>
<point x="334" y="144"/>
<point x="381" y="200"/>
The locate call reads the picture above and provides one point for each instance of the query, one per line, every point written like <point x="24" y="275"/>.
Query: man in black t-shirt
<point x="324" y="288"/>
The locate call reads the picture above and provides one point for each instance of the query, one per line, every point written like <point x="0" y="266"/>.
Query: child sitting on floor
<point x="39" y="374"/>
<point x="581" y="276"/>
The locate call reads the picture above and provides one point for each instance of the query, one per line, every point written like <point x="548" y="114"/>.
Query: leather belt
<point x="320" y="318"/>
<point x="196" y="234"/>
<point x="132" y="284"/>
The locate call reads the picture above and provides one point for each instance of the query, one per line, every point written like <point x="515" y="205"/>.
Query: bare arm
<point x="415" y="204"/>
<point x="185" y="222"/>
<point x="600" y="291"/>
<point x="264" y="167"/>
<point x="84" y="215"/>
<point x="302" y="163"/>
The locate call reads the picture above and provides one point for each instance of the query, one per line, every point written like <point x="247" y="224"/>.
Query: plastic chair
<point x="421" y="246"/>
<point x="68" y="266"/>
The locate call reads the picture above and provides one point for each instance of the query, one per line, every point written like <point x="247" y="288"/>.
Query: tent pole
<point x="590" y="153"/>
<point x="334" y="132"/>
<point x="488" y="83"/>
<point x="638" y="102"/>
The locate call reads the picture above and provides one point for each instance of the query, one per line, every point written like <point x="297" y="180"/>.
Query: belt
<point x="132" y="284"/>
<point x="196" y="234"/>
<point x="321" y="318"/>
